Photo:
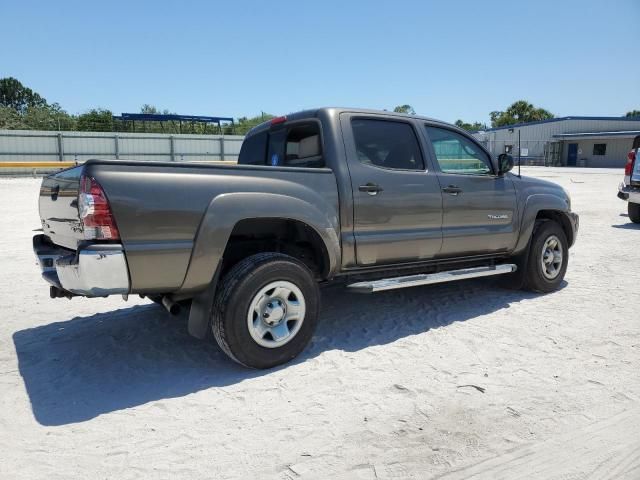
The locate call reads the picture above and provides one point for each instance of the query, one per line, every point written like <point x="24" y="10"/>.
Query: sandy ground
<point x="449" y="381"/>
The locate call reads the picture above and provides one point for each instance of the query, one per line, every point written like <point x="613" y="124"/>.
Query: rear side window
<point x="387" y="144"/>
<point x="297" y="145"/>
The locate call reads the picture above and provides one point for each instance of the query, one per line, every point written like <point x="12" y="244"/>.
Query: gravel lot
<point x="445" y="381"/>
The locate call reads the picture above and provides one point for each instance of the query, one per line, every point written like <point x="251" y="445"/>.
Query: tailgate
<point x="58" y="205"/>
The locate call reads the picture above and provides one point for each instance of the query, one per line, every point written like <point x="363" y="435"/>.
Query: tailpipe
<point x="170" y="306"/>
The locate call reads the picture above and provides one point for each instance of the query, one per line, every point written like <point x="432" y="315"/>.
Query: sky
<point x="448" y="59"/>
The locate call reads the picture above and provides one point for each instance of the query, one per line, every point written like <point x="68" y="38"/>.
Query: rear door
<point x="58" y="205"/>
<point x="396" y="199"/>
<point x="479" y="207"/>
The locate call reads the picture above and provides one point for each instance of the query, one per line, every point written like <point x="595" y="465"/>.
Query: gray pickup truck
<point x="374" y="200"/>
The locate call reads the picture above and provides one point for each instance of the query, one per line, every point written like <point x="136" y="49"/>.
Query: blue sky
<point x="449" y="59"/>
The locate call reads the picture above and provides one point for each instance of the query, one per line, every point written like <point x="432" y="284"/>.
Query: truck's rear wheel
<point x="548" y="258"/>
<point x="265" y="310"/>
<point x="634" y="212"/>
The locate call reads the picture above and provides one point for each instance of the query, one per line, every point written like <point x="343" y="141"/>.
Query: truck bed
<point x="158" y="208"/>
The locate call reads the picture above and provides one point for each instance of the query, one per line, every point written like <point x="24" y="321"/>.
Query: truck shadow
<point x="628" y="226"/>
<point x="77" y="369"/>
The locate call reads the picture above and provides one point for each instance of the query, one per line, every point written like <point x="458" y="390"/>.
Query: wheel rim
<point x="551" y="257"/>
<point x="276" y="314"/>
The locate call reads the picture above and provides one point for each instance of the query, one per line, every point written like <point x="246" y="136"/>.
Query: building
<point x="570" y="141"/>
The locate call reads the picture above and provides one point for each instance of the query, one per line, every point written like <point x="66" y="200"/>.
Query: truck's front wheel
<point x="548" y="258"/>
<point x="265" y="310"/>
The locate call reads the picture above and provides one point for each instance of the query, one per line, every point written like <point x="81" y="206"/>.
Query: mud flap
<point x="201" y="305"/>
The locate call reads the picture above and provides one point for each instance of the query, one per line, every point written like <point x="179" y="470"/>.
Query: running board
<point x="429" y="278"/>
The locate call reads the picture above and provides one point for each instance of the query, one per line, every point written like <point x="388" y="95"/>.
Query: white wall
<point x="46" y="146"/>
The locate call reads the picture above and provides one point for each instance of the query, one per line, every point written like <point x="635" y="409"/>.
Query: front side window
<point x="387" y="144"/>
<point x="457" y="154"/>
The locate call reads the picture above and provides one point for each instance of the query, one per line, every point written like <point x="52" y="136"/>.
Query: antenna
<point x="519" y="153"/>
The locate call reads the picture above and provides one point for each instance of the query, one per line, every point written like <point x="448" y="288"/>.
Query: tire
<point x="634" y="212"/>
<point x="257" y="302"/>
<point x="545" y="271"/>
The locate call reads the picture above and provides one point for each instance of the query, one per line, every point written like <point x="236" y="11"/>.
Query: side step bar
<point x="429" y="278"/>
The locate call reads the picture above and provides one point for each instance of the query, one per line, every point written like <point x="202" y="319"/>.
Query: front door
<point x="479" y="207"/>
<point x="572" y="154"/>
<point x="397" y="203"/>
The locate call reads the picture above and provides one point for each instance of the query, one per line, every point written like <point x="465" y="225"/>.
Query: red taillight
<point x="95" y="212"/>
<point x="631" y="159"/>
<point x="278" y="120"/>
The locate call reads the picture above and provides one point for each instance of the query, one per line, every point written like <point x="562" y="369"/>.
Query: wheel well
<point x="560" y="219"/>
<point x="291" y="237"/>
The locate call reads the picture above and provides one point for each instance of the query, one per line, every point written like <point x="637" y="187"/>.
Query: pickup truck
<point x="629" y="189"/>
<point x="368" y="199"/>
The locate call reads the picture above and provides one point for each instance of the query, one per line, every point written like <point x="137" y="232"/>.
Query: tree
<point x="405" y="109"/>
<point x="471" y="127"/>
<point x="18" y="97"/>
<point x="633" y="113"/>
<point x="95" y="120"/>
<point x="10" y="119"/>
<point x="519" y="112"/>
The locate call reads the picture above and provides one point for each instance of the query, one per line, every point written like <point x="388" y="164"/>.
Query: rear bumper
<point x="629" y="193"/>
<point x="93" y="271"/>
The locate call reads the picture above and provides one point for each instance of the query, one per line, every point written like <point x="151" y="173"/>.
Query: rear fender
<point x="223" y="213"/>
<point x="226" y="210"/>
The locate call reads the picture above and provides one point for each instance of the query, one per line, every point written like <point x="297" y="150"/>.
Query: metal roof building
<point x="570" y="141"/>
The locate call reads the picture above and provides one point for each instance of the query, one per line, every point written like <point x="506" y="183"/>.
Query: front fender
<point x="532" y="206"/>
<point x="227" y="209"/>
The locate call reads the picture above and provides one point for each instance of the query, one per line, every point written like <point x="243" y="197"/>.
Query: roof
<point x="620" y="134"/>
<point x="561" y="119"/>
<point x="311" y="113"/>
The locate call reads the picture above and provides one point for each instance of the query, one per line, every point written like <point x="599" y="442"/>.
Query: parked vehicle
<point x="375" y="200"/>
<point x="629" y="189"/>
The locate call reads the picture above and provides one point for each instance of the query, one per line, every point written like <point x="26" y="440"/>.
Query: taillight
<point x="631" y="159"/>
<point x="95" y="212"/>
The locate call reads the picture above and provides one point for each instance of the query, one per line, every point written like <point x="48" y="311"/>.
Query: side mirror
<point x="505" y="163"/>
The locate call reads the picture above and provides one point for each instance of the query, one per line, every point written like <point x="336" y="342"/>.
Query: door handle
<point x="452" y="189"/>
<point x="370" y="188"/>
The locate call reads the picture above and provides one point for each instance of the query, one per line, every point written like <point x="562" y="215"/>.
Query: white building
<point x="571" y="141"/>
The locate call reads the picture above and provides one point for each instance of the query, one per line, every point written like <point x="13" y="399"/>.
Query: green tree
<point x="11" y="119"/>
<point x="244" y="124"/>
<point x="95" y="120"/>
<point x="471" y="127"/>
<point x="519" y="112"/>
<point x="49" y="117"/>
<point x="633" y="113"/>
<point x="405" y="109"/>
<point x="18" y="97"/>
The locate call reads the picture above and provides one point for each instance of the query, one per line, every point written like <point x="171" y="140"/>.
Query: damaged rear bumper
<point x="94" y="270"/>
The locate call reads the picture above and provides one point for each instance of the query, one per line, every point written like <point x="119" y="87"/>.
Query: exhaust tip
<point x="170" y="306"/>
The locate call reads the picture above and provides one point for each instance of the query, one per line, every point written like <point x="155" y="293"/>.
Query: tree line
<point x="23" y="109"/>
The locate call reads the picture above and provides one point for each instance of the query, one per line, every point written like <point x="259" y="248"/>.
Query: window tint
<point x="387" y="144"/>
<point x="253" y="150"/>
<point x="457" y="154"/>
<point x="303" y="147"/>
<point x="295" y="146"/>
<point x="600" y="149"/>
